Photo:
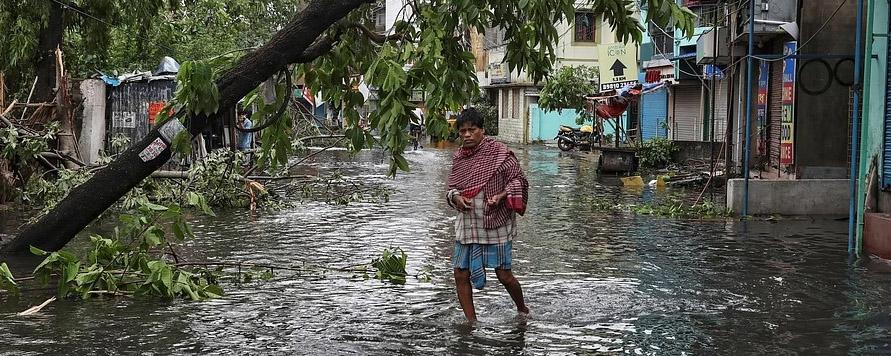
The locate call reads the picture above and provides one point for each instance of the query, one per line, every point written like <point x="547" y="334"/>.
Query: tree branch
<point x="87" y="201"/>
<point x="318" y="48"/>
<point x="374" y="36"/>
<point x="281" y="108"/>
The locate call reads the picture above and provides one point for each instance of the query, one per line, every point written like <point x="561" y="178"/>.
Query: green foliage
<point x="667" y="204"/>
<point x="339" y="190"/>
<point x="125" y="36"/>
<point x="196" y="90"/>
<point x="483" y="104"/>
<point x="276" y="145"/>
<point x="567" y="90"/>
<point x="391" y="266"/>
<point x="87" y="39"/>
<point x="605" y="205"/>
<point x="199" y="30"/>
<point x="676" y="209"/>
<point x="423" y="55"/>
<point x="120" y="142"/>
<point x="667" y="13"/>
<point x="217" y="181"/>
<point x="656" y="152"/>
<point x="7" y="281"/>
<point x="182" y="143"/>
<point x="16" y="144"/>
<point x="440" y="63"/>
<point x="42" y="194"/>
<point x="130" y="262"/>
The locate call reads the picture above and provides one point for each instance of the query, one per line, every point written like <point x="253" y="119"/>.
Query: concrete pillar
<point x="92" y="136"/>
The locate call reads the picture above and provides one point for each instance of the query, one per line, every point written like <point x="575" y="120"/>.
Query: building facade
<point x="800" y="92"/>
<point x="873" y="230"/>
<point x="516" y="96"/>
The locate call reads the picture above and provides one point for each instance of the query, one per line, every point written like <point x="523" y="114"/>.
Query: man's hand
<point x="496" y="199"/>
<point x="462" y="203"/>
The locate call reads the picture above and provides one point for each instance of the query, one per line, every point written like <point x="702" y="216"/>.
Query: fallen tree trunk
<point x="294" y="43"/>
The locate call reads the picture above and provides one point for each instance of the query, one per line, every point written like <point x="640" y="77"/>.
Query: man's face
<point x="471" y="135"/>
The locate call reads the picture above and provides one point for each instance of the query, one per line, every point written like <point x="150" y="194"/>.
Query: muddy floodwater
<point x="597" y="283"/>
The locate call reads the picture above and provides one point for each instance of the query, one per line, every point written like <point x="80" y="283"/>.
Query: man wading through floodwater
<point x="488" y="188"/>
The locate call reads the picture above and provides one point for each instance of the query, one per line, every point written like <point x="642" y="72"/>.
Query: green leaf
<point x="194" y="199"/>
<point x="182" y="143"/>
<point x="153" y="236"/>
<point x="7" y="281"/>
<point x="178" y="231"/>
<point x="213" y="291"/>
<point x="87" y="278"/>
<point x="155" y="207"/>
<point x="71" y="271"/>
<point x="401" y="162"/>
<point x="47" y="262"/>
<point x="166" y="278"/>
<point x="37" y="251"/>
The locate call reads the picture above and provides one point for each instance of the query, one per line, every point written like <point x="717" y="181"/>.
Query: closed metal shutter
<point x="128" y="107"/>
<point x="720" y="112"/>
<point x="654" y="114"/>
<point x="687" y="123"/>
<point x="886" y="148"/>
<point x="723" y="89"/>
<point x="775" y="113"/>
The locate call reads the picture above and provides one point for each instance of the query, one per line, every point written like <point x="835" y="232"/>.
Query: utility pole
<point x="749" y="73"/>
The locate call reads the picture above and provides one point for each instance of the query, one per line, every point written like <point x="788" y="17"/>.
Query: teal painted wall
<point x="543" y="125"/>
<point x="875" y="77"/>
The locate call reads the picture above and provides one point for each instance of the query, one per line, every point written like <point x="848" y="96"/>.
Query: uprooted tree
<point x="331" y="44"/>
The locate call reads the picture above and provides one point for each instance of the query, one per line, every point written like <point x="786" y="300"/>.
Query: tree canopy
<point x="121" y="36"/>
<point x="328" y="43"/>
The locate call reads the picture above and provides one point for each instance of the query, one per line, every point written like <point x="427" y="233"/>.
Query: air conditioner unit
<point x="705" y="47"/>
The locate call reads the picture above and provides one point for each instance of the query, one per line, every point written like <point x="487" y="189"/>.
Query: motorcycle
<point x="571" y="137"/>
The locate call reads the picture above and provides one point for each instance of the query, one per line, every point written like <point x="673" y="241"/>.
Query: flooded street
<point x="595" y="282"/>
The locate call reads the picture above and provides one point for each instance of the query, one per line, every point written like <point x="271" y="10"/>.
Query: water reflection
<point x="596" y="282"/>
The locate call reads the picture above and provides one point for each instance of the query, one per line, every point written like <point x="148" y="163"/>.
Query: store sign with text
<point x="763" y="89"/>
<point x="787" y="135"/>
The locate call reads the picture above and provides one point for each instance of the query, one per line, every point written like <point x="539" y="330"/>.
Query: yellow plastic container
<point x="634" y="181"/>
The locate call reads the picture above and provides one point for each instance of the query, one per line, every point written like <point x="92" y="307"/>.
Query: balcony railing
<point x="695" y="3"/>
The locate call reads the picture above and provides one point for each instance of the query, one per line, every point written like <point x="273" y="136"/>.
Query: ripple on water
<point x="596" y="283"/>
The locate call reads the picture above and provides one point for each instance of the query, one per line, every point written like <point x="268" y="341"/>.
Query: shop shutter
<point x="687" y="123"/>
<point x="653" y="114"/>
<point x="775" y="113"/>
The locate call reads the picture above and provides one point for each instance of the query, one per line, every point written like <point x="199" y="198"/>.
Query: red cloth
<point x="492" y="168"/>
<point x="614" y="108"/>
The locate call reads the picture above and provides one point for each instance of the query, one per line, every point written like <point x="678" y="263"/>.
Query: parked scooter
<point x="571" y="137"/>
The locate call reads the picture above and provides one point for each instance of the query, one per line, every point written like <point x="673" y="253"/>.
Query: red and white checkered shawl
<point x="493" y="168"/>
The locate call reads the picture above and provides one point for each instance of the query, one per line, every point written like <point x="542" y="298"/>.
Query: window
<point x="380" y="21"/>
<point x="494" y="37"/>
<point x="663" y="42"/>
<point x="515" y="108"/>
<point x="503" y="106"/>
<point x="585" y="27"/>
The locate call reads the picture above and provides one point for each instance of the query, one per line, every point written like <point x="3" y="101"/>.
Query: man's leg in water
<point x="513" y="288"/>
<point x="465" y="293"/>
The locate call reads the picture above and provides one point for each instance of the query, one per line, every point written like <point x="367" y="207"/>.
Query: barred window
<point x="585" y="27"/>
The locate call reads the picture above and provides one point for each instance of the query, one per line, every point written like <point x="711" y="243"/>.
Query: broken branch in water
<point x="237" y="264"/>
<point x="314" y="153"/>
<point x="36" y="309"/>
